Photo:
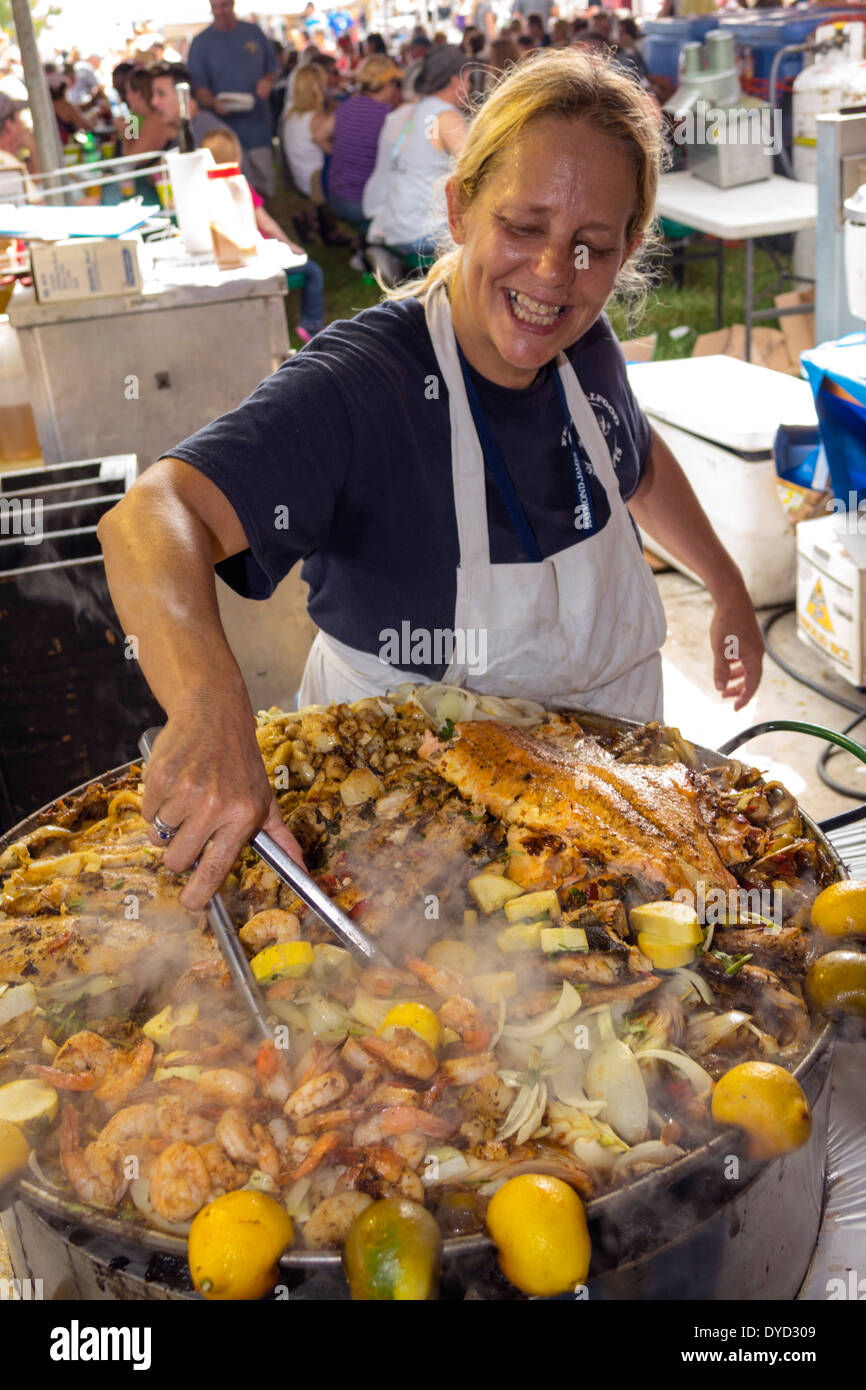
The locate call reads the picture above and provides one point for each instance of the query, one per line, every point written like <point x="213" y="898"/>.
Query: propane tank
<point x="833" y="80"/>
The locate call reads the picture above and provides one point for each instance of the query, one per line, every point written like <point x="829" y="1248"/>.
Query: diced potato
<point x="451" y="954"/>
<point x="285" y="959"/>
<point x="17" y="1000"/>
<point x="160" y="1028"/>
<point x="470" y="918"/>
<point x="190" y="1073"/>
<point x="495" y="985"/>
<point x="524" y="936"/>
<point x="28" y="1103"/>
<point x="492" y="891"/>
<point x="667" y="921"/>
<point x="543" y="904"/>
<point x="360" y="785"/>
<point x="563" y="939"/>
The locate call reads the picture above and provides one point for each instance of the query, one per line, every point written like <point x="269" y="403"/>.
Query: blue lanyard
<point x="584" y="515"/>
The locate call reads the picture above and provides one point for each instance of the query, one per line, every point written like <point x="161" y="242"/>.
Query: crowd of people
<point x="365" y="135"/>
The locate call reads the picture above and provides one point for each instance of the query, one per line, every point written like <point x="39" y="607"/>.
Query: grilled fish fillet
<point x="634" y="818"/>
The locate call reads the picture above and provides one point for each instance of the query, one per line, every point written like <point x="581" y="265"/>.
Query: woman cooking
<point x="456" y="461"/>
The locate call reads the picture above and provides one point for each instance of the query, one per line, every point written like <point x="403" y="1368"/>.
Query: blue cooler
<point x="759" y="34"/>
<point x="664" y="38"/>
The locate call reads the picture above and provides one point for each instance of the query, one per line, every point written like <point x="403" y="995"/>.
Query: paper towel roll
<point x="189" y="183"/>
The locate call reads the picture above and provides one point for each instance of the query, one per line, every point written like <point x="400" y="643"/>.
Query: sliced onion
<point x="261" y="1182"/>
<point x="139" y="1191"/>
<point x="706" y="1031"/>
<point x="692" y="1070"/>
<point x="568" y="1004"/>
<point x="697" y="982"/>
<point x="653" y="1151"/>
<point x="370" y="1010"/>
<point x="500" y="1024"/>
<point x="521" y="1108"/>
<point x="36" y="1168"/>
<point x="296" y="1199"/>
<point x="613" y="1075"/>
<point x="324" y="1016"/>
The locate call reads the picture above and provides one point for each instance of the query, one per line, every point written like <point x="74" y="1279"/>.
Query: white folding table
<point x="770" y="207"/>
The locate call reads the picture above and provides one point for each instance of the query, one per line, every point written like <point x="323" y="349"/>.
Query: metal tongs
<point x="353" y="937"/>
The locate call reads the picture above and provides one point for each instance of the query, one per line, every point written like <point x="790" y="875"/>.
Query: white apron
<point x="582" y="628"/>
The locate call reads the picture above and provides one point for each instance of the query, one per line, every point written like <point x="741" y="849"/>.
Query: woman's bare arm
<point x="665" y="506"/>
<point x="206" y="776"/>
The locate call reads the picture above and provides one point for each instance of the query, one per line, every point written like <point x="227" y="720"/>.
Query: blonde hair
<point x="570" y="85"/>
<point x="224" y="145"/>
<point x="308" y="92"/>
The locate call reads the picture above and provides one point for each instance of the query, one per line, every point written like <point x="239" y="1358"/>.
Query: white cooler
<point x="719" y="416"/>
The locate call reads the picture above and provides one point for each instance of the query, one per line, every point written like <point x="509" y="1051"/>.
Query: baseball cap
<point x="375" y="71"/>
<point x="438" y="68"/>
<point x="9" y="107"/>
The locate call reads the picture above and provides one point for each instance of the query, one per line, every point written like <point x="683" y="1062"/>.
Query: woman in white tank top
<point x="306" y="132"/>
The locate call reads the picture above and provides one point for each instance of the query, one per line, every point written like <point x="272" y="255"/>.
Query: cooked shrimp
<point x="273" y="1073"/>
<point x="316" y="1060"/>
<point x="345" y="1115"/>
<point x="460" y="1071"/>
<point x="180" y="1183"/>
<point x="378" y="1170"/>
<point x="96" y="1175"/>
<point x="177" y="1119"/>
<point x="400" y="1119"/>
<point x="272" y="924"/>
<point x="405" y="1052"/>
<point x="203" y="971"/>
<point x="126" y="1071"/>
<point x="440" y="980"/>
<point x="324" y="1145"/>
<point x="465" y="1018"/>
<point x="411" y="1146"/>
<point x="81" y="1063"/>
<point x="390" y="1094"/>
<point x="247" y="1143"/>
<point x="224" y="1175"/>
<point x="225" y="1084"/>
<point x="387" y="982"/>
<point x="316" y="1094"/>
<point x="133" y="1123"/>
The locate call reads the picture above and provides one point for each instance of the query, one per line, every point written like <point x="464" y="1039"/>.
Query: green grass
<point x="666" y="307"/>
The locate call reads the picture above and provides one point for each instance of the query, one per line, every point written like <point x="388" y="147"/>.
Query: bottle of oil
<point x="19" y="442"/>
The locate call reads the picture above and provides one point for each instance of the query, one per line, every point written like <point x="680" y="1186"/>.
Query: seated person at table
<point x="225" y="147"/>
<point x="357" y="128"/>
<point x="144" y="129"/>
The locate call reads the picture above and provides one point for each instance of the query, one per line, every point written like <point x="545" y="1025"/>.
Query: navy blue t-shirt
<point x="234" y="60"/>
<point x="342" y="459"/>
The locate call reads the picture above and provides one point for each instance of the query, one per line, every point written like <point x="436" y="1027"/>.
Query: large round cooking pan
<point x="711" y="1225"/>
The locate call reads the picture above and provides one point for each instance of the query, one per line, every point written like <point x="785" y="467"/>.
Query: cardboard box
<point x="85" y="268"/>
<point x="640" y="349"/>
<point x="798" y="330"/>
<point x="831" y="598"/>
<point x="769" y="348"/>
<point x="801" y="503"/>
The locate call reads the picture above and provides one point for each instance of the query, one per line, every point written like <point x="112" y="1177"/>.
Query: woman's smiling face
<point x="542" y="245"/>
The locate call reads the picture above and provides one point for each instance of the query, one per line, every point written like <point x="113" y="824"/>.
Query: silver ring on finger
<point x="162" y="831"/>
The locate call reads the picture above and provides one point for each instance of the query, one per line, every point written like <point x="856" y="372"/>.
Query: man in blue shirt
<point x="232" y="55"/>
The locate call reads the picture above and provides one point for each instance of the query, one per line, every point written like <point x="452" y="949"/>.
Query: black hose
<point x="857" y="709"/>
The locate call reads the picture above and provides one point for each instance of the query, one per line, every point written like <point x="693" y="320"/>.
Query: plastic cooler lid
<point x="734" y="404"/>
